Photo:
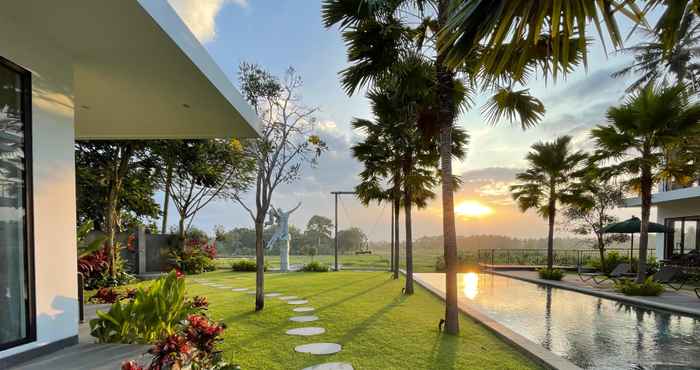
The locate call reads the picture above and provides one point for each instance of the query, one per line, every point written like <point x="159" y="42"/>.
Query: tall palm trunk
<point x="397" y="209"/>
<point x="409" y="242"/>
<point x="551" y="214"/>
<point x="550" y="236"/>
<point x="260" y="263"/>
<point x="646" y="184"/>
<point x="444" y="86"/>
<point x="391" y="261"/>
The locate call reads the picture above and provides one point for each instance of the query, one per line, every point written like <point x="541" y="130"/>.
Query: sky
<point x="279" y="34"/>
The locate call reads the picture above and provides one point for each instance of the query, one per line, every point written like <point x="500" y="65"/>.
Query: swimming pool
<point x="591" y="332"/>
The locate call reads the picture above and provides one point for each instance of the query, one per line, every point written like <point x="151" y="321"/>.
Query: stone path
<point x="311" y="348"/>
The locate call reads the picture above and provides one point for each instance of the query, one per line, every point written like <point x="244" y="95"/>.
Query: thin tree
<point x="640" y="139"/>
<point x="206" y="170"/>
<point x="287" y="143"/>
<point x="590" y="216"/>
<point x="550" y="181"/>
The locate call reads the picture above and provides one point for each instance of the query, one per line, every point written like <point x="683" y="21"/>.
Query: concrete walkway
<point x="683" y="302"/>
<point x="87" y="355"/>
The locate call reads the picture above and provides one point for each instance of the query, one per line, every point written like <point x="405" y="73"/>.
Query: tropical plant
<point x="673" y="21"/>
<point x="377" y="33"/>
<point x="287" y="143"/>
<point x="152" y="314"/>
<point x="640" y="140"/>
<point x="654" y="61"/>
<point x="195" y="257"/>
<point x="648" y="287"/>
<point x="549" y="182"/>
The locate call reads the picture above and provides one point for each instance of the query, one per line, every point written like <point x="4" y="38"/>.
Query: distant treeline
<point x="476" y="242"/>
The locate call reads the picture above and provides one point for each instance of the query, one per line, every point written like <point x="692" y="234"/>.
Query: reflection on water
<point x="592" y="332"/>
<point x="471" y="284"/>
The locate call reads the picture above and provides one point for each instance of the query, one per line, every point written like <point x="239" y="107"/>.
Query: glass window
<point x="15" y="292"/>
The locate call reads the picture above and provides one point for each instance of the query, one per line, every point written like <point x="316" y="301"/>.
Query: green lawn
<point x="363" y="311"/>
<point x="423" y="261"/>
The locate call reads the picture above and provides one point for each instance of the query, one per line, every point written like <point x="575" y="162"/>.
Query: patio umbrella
<point x="632" y="226"/>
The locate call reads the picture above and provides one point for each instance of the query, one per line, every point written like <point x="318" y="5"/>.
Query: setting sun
<point x="472" y="209"/>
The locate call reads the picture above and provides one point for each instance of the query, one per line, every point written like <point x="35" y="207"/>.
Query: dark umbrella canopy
<point x="632" y="226"/>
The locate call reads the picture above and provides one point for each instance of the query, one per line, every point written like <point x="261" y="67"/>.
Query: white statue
<point x="281" y="220"/>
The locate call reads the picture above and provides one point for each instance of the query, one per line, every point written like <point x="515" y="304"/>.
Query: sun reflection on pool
<point x="471" y="284"/>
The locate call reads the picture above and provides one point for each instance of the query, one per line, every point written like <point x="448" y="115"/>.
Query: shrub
<point x="195" y="258"/>
<point x="467" y="261"/>
<point x="153" y="314"/>
<point x="246" y="265"/>
<point x="315" y="266"/>
<point x="553" y="274"/>
<point x="648" y="288"/>
<point x="613" y="258"/>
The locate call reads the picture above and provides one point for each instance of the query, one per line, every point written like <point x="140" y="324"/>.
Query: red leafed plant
<point x="200" y="302"/>
<point x="173" y="350"/>
<point x="93" y="264"/>
<point x="210" y="250"/>
<point x="131" y="365"/>
<point x="203" y="334"/>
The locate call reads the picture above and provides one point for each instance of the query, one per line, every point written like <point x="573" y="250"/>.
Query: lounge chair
<point x="618" y="272"/>
<point x="669" y="275"/>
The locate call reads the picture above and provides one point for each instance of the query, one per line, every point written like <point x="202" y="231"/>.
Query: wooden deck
<point x="87" y="355"/>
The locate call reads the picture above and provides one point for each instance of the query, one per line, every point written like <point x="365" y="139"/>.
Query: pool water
<point x="592" y="332"/>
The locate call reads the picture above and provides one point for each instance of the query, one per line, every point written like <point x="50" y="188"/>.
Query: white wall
<point x="678" y="208"/>
<point x="54" y="181"/>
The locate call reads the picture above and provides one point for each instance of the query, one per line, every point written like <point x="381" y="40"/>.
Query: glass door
<point x="16" y="293"/>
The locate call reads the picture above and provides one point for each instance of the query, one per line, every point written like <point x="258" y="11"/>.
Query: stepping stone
<point x="331" y="366"/>
<point x="303" y="318"/>
<point x="239" y="289"/>
<point x="273" y="294"/>
<point x="319" y="348"/>
<point x="304" y="309"/>
<point x="298" y="301"/>
<point x="288" y="297"/>
<point x="306" y="331"/>
<point x="251" y="292"/>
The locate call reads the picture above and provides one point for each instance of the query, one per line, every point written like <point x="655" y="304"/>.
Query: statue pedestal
<point x="284" y="255"/>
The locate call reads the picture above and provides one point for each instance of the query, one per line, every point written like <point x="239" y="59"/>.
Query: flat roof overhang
<point x="666" y="197"/>
<point x="139" y="73"/>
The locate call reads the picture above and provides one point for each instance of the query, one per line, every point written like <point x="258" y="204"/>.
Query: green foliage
<point x="195" y="258"/>
<point x="152" y="314"/>
<point x="86" y="248"/>
<point x="648" y="288"/>
<point x="351" y="239"/>
<point x="95" y="162"/>
<point x="246" y="265"/>
<point x="466" y="261"/>
<point x="550" y="274"/>
<point x="613" y="258"/>
<point x="315" y="266"/>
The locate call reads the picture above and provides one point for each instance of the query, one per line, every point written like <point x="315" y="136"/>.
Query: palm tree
<point x="654" y="62"/>
<point x="549" y="181"/>
<point x="640" y="139"/>
<point x="377" y="34"/>
<point x="520" y="30"/>
<point x="395" y="147"/>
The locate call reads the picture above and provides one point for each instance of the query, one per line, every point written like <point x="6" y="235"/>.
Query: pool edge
<point x="532" y="350"/>
<point x="612" y="296"/>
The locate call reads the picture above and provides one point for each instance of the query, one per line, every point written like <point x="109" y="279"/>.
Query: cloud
<point x="200" y="15"/>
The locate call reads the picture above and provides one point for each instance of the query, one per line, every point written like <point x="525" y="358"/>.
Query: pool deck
<point x="88" y="355"/>
<point x="435" y="284"/>
<point x="682" y="302"/>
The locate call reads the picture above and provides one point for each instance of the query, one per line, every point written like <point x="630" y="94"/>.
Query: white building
<point x="84" y="69"/>
<point x="677" y="208"/>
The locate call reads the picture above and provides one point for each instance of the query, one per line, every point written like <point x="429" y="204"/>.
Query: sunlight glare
<point x="472" y="209"/>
